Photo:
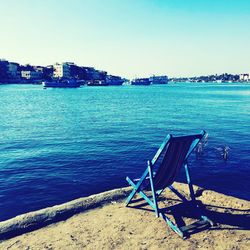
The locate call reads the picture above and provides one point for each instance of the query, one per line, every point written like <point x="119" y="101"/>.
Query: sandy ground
<point x="115" y="226"/>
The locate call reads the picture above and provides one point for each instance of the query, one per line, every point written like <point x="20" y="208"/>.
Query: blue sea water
<point x="60" y="144"/>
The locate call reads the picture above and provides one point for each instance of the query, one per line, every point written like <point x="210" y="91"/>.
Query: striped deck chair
<point x="173" y="153"/>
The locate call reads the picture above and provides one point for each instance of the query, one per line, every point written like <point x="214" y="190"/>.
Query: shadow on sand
<point x="223" y="217"/>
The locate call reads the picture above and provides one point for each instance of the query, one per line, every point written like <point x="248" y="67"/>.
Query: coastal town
<point x="12" y="72"/>
<point x="56" y="75"/>
<point x="245" y="77"/>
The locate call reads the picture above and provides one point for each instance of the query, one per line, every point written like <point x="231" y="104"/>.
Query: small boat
<point x="61" y="84"/>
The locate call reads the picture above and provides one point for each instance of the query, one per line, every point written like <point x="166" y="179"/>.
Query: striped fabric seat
<point x="176" y="151"/>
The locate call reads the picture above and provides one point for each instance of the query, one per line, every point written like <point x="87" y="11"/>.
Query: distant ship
<point x="140" y="81"/>
<point x="158" y="79"/>
<point x="61" y="84"/>
<point x="150" y="80"/>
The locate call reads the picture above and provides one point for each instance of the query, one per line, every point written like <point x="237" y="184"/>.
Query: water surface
<point x="60" y="144"/>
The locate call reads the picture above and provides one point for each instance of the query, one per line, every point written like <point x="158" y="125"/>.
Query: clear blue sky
<point x="129" y="37"/>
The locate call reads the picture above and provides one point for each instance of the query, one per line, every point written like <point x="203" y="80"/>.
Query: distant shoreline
<point x="170" y="82"/>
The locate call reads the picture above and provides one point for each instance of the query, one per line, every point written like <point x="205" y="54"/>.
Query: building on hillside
<point x="89" y="73"/>
<point x="39" y="69"/>
<point x="31" y="74"/>
<point x="62" y="70"/>
<point x="244" y="77"/>
<point x="3" y="69"/>
<point x="12" y="70"/>
<point x="48" y="72"/>
<point x="99" y="75"/>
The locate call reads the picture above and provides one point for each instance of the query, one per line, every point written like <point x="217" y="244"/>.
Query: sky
<point x="130" y="38"/>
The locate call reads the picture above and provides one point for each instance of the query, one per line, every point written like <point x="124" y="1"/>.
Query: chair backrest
<point x="175" y="155"/>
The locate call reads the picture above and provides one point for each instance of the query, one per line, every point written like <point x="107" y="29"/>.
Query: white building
<point x="244" y="77"/>
<point x="31" y="74"/>
<point x="62" y="70"/>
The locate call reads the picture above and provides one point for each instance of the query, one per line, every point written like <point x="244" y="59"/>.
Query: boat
<point x="140" y="81"/>
<point x="61" y="84"/>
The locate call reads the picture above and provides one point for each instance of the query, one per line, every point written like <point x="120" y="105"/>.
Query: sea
<point x="57" y="145"/>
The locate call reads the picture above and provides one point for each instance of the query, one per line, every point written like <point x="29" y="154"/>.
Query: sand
<point x="114" y="226"/>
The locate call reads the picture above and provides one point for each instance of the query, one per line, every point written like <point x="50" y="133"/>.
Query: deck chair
<point x="174" y="153"/>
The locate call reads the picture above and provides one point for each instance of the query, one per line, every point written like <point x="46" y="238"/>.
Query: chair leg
<point x="191" y="189"/>
<point x="153" y="189"/>
<point x="135" y="187"/>
<point x="172" y="225"/>
<point x="190" y="184"/>
<point x="143" y="195"/>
